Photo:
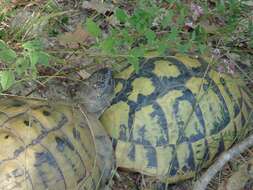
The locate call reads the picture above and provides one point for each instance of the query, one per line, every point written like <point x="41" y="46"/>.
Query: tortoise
<point x="52" y="146"/>
<point x="175" y="116"/>
<point x="169" y="120"/>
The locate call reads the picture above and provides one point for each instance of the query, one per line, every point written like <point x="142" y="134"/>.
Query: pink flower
<point x="231" y="68"/>
<point x="216" y="52"/>
<point x="221" y="69"/>
<point x="197" y="11"/>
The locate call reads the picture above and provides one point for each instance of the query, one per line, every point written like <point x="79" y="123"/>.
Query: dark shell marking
<point x="48" y="147"/>
<point x="174" y="116"/>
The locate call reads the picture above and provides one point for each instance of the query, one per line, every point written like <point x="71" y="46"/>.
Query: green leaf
<point x="34" y="45"/>
<point x="181" y="19"/>
<point x="193" y="35"/>
<point x="137" y="52"/>
<point x="7" y="55"/>
<point x="43" y="58"/>
<point x="7" y="79"/>
<point x="2" y="44"/>
<point x="183" y="48"/>
<point x="167" y="19"/>
<point x="150" y="35"/>
<point x="108" y="45"/>
<point x="121" y="15"/>
<point x="135" y="55"/>
<point x="92" y="28"/>
<point x="251" y="43"/>
<point x="134" y="61"/>
<point x="128" y="39"/>
<point x="202" y="48"/>
<point x="38" y="57"/>
<point x="162" y="47"/>
<point x="64" y="20"/>
<point x="34" y="57"/>
<point x="34" y="52"/>
<point x="141" y="20"/>
<point x="201" y="34"/>
<point x="173" y="34"/>
<point x="221" y="6"/>
<point x="22" y="64"/>
<point x="34" y="72"/>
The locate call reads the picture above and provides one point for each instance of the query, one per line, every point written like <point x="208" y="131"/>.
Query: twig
<point x="202" y="183"/>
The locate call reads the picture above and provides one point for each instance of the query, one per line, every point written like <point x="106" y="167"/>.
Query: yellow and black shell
<point x="174" y="116"/>
<point x="51" y="147"/>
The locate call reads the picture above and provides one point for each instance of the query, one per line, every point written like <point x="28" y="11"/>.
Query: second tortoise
<point x="175" y="116"/>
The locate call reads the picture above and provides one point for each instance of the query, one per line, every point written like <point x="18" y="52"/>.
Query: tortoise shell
<point x="53" y="147"/>
<point x="174" y="116"/>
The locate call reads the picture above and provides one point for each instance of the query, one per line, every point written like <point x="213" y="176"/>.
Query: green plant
<point x="22" y="28"/>
<point x="147" y="25"/>
<point x="19" y="66"/>
<point x="150" y="26"/>
<point x="163" y="26"/>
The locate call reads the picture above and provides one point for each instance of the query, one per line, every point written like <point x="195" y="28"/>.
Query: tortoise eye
<point x="46" y="113"/>
<point x="99" y="84"/>
<point x="26" y="122"/>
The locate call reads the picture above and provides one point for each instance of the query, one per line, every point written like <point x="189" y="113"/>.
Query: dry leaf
<point x="74" y="39"/>
<point x="240" y="178"/>
<point x="99" y="6"/>
<point x="29" y="23"/>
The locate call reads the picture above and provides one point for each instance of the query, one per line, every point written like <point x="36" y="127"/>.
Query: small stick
<point x="204" y="180"/>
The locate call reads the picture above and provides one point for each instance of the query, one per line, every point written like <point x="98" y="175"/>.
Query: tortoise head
<point x="96" y="92"/>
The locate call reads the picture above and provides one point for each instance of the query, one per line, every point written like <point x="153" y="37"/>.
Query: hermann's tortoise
<point x="174" y="116"/>
<point x="51" y="146"/>
<point x="168" y="121"/>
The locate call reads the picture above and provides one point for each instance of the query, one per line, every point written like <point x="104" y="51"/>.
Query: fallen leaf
<point x="74" y="39"/>
<point x="29" y="23"/>
<point x="100" y="7"/>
